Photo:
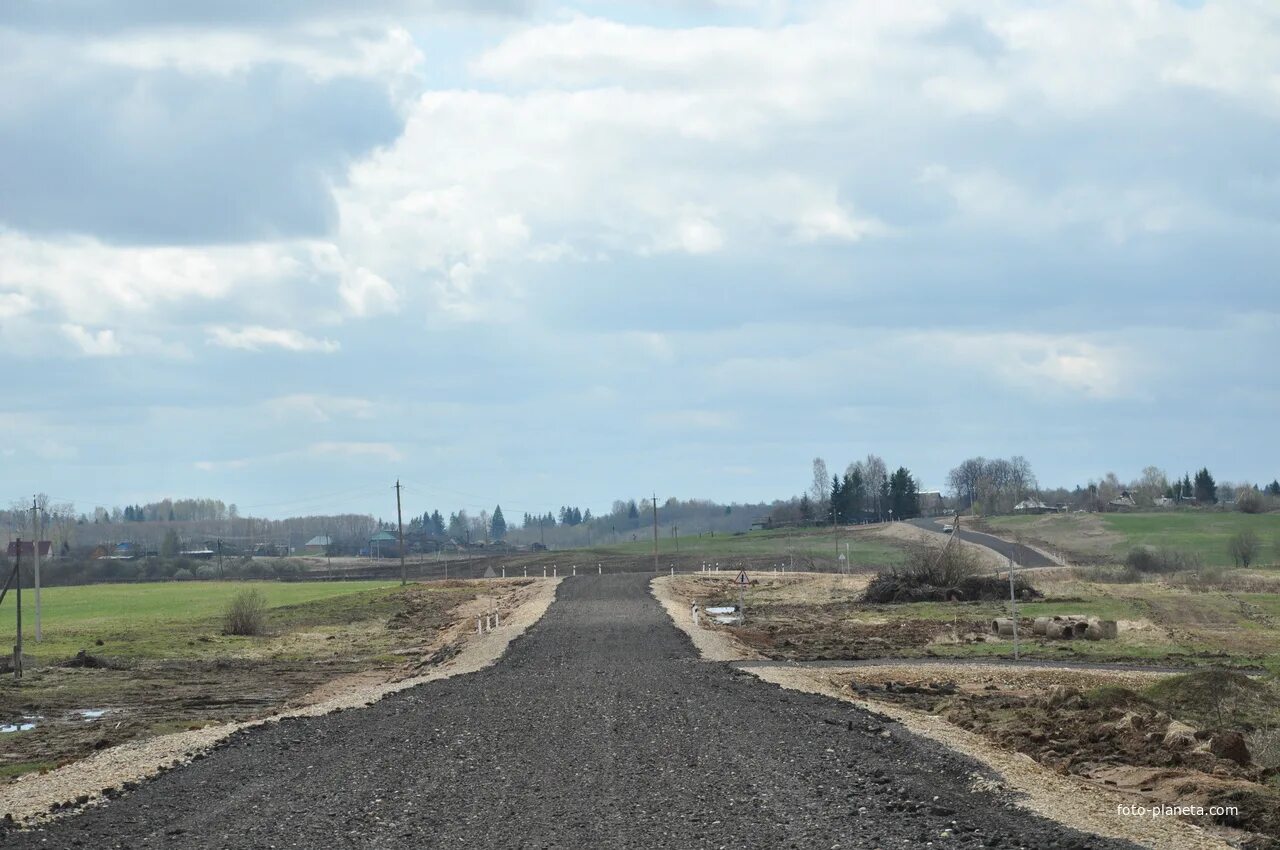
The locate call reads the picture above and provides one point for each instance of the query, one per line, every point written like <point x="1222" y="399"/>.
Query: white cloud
<point x="257" y="338"/>
<point x="320" y="408"/>
<point x="102" y="343"/>
<point x="1042" y="363"/>
<point x="377" y="451"/>
<point x="322" y="52"/>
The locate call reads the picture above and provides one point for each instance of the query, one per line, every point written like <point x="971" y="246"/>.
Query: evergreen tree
<point x="1185" y="490"/>
<point x="1274" y="488"/>
<point x="806" y="509"/>
<point x="128" y="513"/>
<point x="437" y="523"/>
<point x="498" y="524"/>
<point x="837" y="500"/>
<point x="1206" y="489"/>
<point x="633" y="513"/>
<point x="577" y="516"/>
<point x="904" y="497"/>
<point x="586" y="515"/>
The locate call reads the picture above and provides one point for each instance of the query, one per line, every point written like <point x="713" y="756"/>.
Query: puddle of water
<point x="91" y="714"/>
<point x="26" y="724"/>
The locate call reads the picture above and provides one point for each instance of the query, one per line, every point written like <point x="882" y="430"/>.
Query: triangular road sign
<point x="742" y="578"/>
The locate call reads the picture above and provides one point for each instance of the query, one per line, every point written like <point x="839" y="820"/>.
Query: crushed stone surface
<point x="599" y="727"/>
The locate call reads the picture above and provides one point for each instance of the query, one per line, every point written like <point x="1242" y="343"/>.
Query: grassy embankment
<point x="1107" y="538"/>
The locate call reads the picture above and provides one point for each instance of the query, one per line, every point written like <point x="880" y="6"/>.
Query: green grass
<point x="155" y="619"/>
<point x="821" y="546"/>
<point x="1204" y="533"/>
<point x="8" y="771"/>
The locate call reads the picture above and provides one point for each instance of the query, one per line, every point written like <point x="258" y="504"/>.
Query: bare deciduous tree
<point x="1245" y="547"/>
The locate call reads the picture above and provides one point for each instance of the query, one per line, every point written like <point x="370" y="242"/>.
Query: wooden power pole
<point x="655" y="532"/>
<point x="404" y="576"/>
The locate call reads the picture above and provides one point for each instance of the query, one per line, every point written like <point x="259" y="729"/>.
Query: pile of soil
<point x="1116" y="737"/>
<point x="806" y="634"/>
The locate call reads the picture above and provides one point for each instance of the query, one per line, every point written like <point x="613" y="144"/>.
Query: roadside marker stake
<point x="599" y="570"/>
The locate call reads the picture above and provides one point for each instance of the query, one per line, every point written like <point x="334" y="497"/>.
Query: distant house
<point x="930" y="503"/>
<point x="1033" y="506"/>
<point x="125" y="551"/>
<point x="29" y="549"/>
<point x="1124" y="500"/>
<point x="1165" y="502"/>
<point x="384" y="544"/>
<point x="318" y="545"/>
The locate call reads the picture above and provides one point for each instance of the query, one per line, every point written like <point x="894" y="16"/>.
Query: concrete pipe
<point x="1102" y="630"/>
<point x="1059" y="630"/>
<point x="1079" y="628"/>
<point x="1040" y="625"/>
<point x="1002" y="626"/>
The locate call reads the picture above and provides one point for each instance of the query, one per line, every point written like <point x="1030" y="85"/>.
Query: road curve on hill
<point x="599" y="728"/>
<point x="1023" y="556"/>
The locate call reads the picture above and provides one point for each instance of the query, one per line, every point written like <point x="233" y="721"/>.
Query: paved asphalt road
<point x="598" y="729"/>
<point x="1023" y="556"/>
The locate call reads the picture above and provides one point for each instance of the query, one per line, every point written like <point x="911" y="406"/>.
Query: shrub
<point x="1245" y="547"/>
<point x="182" y="574"/>
<point x="1250" y="501"/>
<point x="206" y="571"/>
<point x="1150" y="559"/>
<point x="1113" y="575"/>
<point x="246" y="613"/>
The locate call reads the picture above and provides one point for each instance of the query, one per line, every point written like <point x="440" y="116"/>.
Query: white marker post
<point x="599" y="570"/>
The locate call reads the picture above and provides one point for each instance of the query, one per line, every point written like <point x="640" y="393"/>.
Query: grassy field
<point x="156" y="620"/>
<point x="810" y="547"/>
<point x="1109" y="537"/>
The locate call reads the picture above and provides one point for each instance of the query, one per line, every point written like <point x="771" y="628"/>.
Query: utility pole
<point x="404" y="576"/>
<point x="655" y="532"/>
<point x="35" y="548"/>
<point x="1013" y="603"/>
<point x="220" y="574"/>
<point x="17" y="649"/>
<point x="542" y="535"/>
<point x="675" y="534"/>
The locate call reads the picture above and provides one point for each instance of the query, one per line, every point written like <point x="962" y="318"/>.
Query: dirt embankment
<point x="441" y="644"/>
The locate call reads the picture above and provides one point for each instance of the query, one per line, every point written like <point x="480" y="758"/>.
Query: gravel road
<point x="599" y="728"/>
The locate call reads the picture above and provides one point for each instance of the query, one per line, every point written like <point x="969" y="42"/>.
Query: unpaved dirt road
<point x="599" y="728"/>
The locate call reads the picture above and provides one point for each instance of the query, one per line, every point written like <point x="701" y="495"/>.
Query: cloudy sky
<point x="545" y="253"/>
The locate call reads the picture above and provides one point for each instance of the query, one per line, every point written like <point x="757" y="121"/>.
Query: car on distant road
<point x="947" y="529"/>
